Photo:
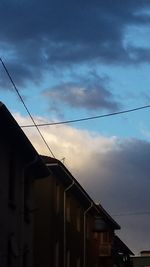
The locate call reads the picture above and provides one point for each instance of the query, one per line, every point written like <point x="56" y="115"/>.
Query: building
<point x="104" y="234"/>
<point x="69" y="228"/>
<point x="121" y="253"/>
<point x="20" y="166"/>
<point x="142" y="260"/>
<point x="48" y="219"/>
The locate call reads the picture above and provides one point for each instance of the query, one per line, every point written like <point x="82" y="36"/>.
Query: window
<point x="12" y="184"/>
<point x="9" y="258"/>
<point x="105" y="237"/>
<point x="25" y="256"/>
<point x="78" y="262"/>
<point x="96" y="235"/>
<point x="78" y="220"/>
<point x="57" y="254"/>
<point x="88" y="229"/>
<point x="57" y="198"/>
<point x="13" y="250"/>
<point x="68" y="258"/>
<point x="28" y="205"/>
<point x="68" y="215"/>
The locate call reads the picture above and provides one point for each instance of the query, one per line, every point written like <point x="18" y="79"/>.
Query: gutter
<point x="22" y="209"/>
<point x="84" y="244"/>
<point x="65" y="191"/>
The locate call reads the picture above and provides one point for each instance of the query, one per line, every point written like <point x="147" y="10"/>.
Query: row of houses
<point x="141" y="260"/>
<point x="47" y="218"/>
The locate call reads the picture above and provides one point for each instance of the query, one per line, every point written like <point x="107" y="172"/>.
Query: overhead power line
<point x="29" y="113"/>
<point x="131" y="214"/>
<point x="87" y="118"/>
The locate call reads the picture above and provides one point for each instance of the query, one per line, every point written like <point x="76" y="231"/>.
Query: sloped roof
<point x="65" y="176"/>
<point x="121" y="247"/>
<point x="60" y="170"/>
<point x="16" y="138"/>
<point x="108" y="218"/>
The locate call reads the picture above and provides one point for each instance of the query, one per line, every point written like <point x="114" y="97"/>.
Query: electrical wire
<point x="34" y="124"/>
<point x="87" y="118"/>
<point x="73" y="121"/>
<point x="131" y="214"/>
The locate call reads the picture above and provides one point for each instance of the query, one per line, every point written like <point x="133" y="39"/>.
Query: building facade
<point x="48" y="219"/>
<point x="121" y="253"/>
<point x="20" y="165"/>
<point x="104" y="233"/>
<point x="73" y="229"/>
<point x="142" y="260"/>
<point x="66" y="213"/>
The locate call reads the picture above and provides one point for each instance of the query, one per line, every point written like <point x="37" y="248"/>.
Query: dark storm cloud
<point x="44" y="34"/>
<point x="125" y="170"/>
<point x="90" y="94"/>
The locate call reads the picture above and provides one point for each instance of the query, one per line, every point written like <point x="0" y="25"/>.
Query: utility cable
<point x="131" y="214"/>
<point x="34" y="124"/>
<point x="72" y="121"/>
<point x="87" y="118"/>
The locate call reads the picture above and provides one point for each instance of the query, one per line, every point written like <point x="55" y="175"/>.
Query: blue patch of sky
<point x="9" y="99"/>
<point x="6" y="52"/>
<point x="137" y="36"/>
<point x="133" y="125"/>
<point x="129" y="85"/>
<point x="129" y="125"/>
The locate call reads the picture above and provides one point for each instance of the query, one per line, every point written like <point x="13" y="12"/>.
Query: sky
<point x="76" y="59"/>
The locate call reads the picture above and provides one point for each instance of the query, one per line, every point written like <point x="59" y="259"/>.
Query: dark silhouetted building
<point x="142" y="260"/>
<point x="20" y="165"/>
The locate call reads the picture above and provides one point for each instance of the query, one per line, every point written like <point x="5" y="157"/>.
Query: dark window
<point x="57" y="254"/>
<point x="57" y="198"/>
<point x="106" y="237"/>
<point x="11" y="181"/>
<point x="68" y="211"/>
<point x="28" y="209"/>
<point x="68" y="258"/>
<point x="78" y="219"/>
<point x="25" y="257"/>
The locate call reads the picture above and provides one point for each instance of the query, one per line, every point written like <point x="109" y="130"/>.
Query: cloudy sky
<point x="76" y="59"/>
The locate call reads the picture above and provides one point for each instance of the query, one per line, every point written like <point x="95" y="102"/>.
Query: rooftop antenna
<point x="63" y="160"/>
